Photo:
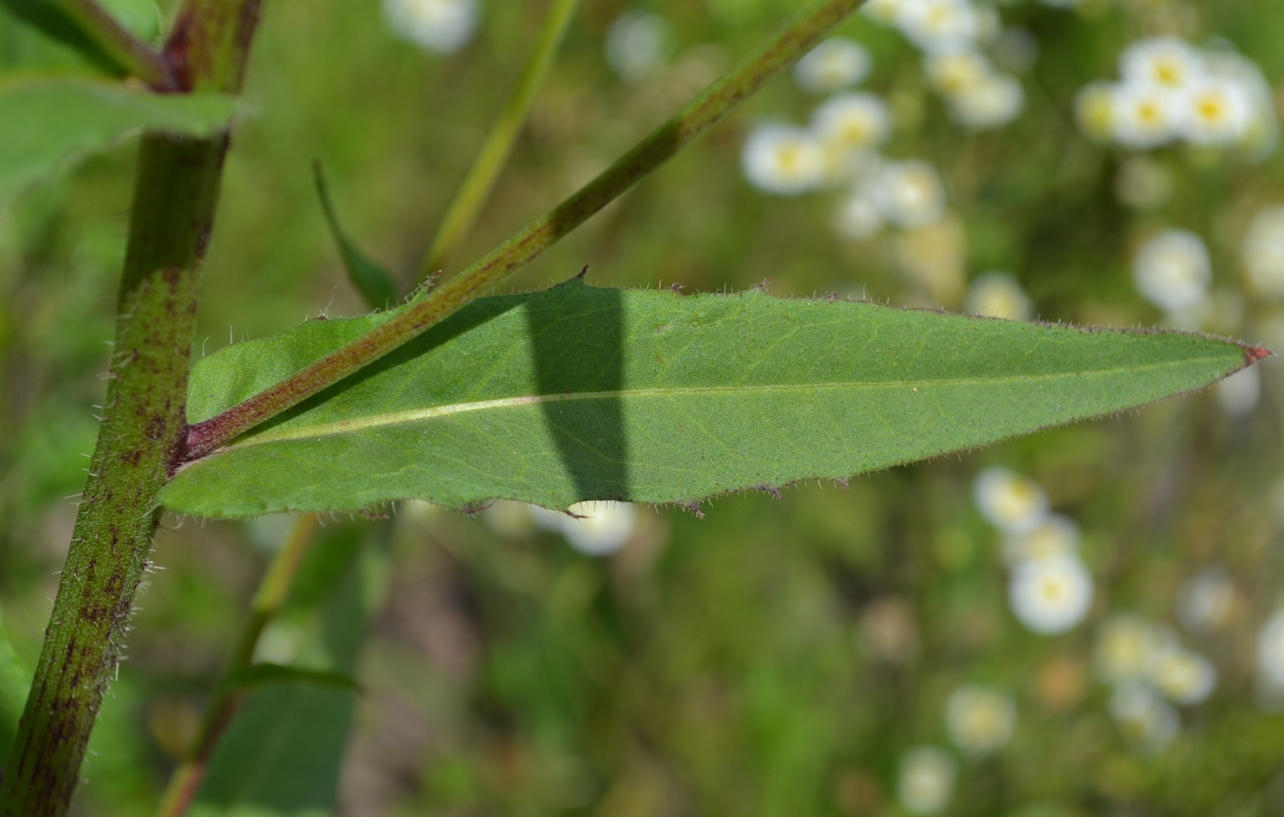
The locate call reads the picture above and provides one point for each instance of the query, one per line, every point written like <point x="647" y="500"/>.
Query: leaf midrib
<point x="433" y="412"/>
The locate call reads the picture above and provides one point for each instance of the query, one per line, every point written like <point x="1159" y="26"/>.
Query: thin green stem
<point x="481" y="177"/>
<point x="434" y="306"/>
<point x="175" y="195"/>
<point x="186" y="780"/>
<point x="118" y="43"/>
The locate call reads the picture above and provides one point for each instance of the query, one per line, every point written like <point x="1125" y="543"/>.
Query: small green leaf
<point x="265" y="674"/>
<point x="64" y="119"/>
<point x="374" y="283"/>
<point x="581" y="393"/>
<point x="14" y="683"/>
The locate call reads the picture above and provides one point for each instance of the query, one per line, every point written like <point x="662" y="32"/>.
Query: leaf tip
<point x="1252" y="354"/>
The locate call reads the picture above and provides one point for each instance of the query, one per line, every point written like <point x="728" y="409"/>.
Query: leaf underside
<point x="53" y="121"/>
<point x="580" y="393"/>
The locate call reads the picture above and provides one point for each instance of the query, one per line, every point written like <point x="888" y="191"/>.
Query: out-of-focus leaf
<point x="283" y="751"/>
<point x="14" y="683"/>
<point x="45" y="123"/>
<point x="580" y="393"/>
<point x="374" y="283"/>
<point x="51" y="21"/>
<point x="265" y="674"/>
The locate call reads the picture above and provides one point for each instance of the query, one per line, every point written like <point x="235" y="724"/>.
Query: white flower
<point x="1164" y="63"/>
<point x="910" y="193"/>
<point x="1215" y="112"/>
<point x="1262" y="252"/>
<point x="925" y="781"/>
<point x="783" y="160"/>
<point x="998" y="295"/>
<point x="1270" y="651"/>
<point x="1050" y="595"/>
<point x="1054" y="536"/>
<point x="1143" y="183"/>
<point x="857" y="217"/>
<point x="1263" y="129"/>
<point x="1172" y="270"/>
<point x="980" y="720"/>
<point x="1012" y="503"/>
<point x="956" y="72"/>
<point x="1125" y="648"/>
<point x="887" y="12"/>
<point x="850" y="122"/>
<point x="1143" y="116"/>
<point x="1144" y="717"/>
<point x="1205" y="600"/>
<point x="443" y="26"/>
<point x="598" y="528"/>
<point x="996" y="100"/>
<point x="1238" y="394"/>
<point x="637" y="44"/>
<point x="1184" y="676"/>
<point x="1094" y="110"/>
<point x="940" y="25"/>
<point x="835" y="64"/>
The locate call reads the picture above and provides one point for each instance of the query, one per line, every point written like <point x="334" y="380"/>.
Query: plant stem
<point x="481" y="177"/>
<point x="175" y="193"/>
<point x="271" y="596"/>
<point x="431" y="308"/>
<point x="118" y="43"/>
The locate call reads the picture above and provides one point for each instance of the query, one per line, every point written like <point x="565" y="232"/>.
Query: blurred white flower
<point x="508" y="518"/>
<point x="1172" y="270"/>
<point x="1143" y="116"/>
<point x="1262" y="252"/>
<point x="857" y="217"/>
<point x="443" y="26"/>
<point x="598" y="528"/>
<point x="1262" y="133"/>
<point x="887" y="12"/>
<point x="1270" y="651"/>
<point x="925" y="781"/>
<point x="1054" y="536"/>
<point x="637" y="44"/>
<point x="956" y="72"/>
<point x="1205" y="600"/>
<point x="1143" y="183"/>
<point x="835" y="64"/>
<point x="994" y="101"/>
<point x="998" y="295"/>
<point x="1215" y="112"/>
<point x="940" y="25"/>
<point x="1165" y="63"/>
<point x="1184" y="676"/>
<point x="1094" y="110"/>
<point x="782" y="159"/>
<point x="850" y="122"/>
<point x="545" y="519"/>
<point x="980" y="720"/>
<point x="1238" y="394"/>
<point x="1012" y="503"/>
<point x="1143" y="716"/>
<point x="1050" y="595"/>
<point x="1125" y="648"/>
<point x="910" y="193"/>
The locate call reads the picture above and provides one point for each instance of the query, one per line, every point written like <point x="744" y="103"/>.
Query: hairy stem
<point x="118" y="43"/>
<point x="271" y="596"/>
<point x="175" y="193"/>
<point x="481" y="177"/>
<point x="431" y="308"/>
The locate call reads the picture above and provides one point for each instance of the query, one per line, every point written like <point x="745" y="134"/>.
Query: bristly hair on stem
<point x="481" y="178"/>
<point x="430" y="308"/>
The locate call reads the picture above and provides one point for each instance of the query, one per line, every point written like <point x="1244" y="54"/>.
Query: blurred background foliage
<point x="779" y="655"/>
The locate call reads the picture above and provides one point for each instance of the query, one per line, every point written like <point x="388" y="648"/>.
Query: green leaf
<point x="14" y="683"/>
<point x="374" y="282"/>
<point x="266" y="674"/>
<point x="65" y="119"/>
<point x="581" y="393"/>
<point x="57" y="25"/>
